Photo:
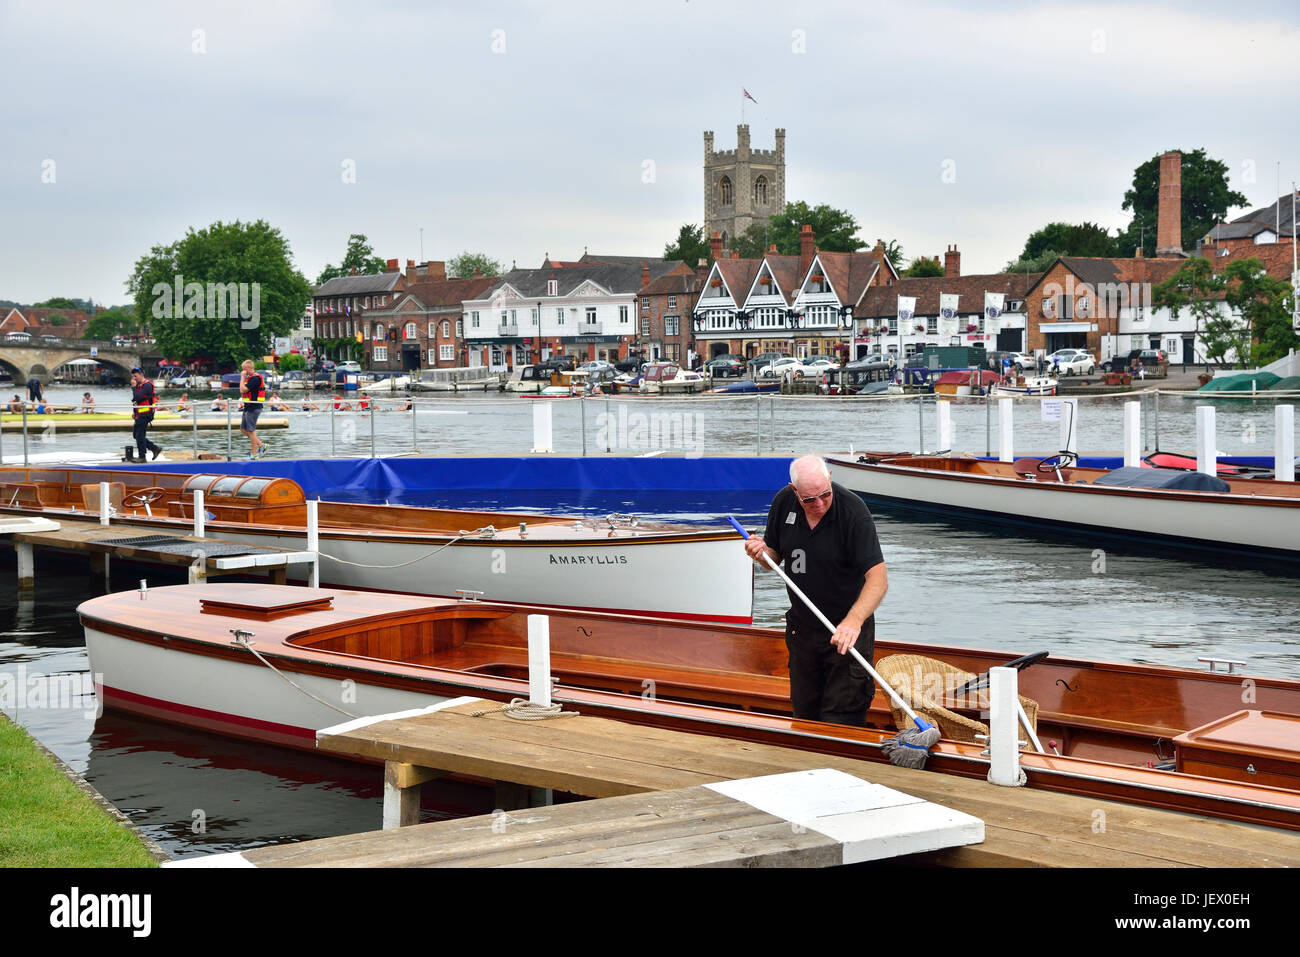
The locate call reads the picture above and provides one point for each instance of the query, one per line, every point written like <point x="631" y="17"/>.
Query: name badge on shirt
<point x="790" y="519"/>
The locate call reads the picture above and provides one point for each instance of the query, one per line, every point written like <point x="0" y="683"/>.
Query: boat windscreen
<point x="200" y="483"/>
<point x="252" y="488"/>
<point x="226" y="485"/>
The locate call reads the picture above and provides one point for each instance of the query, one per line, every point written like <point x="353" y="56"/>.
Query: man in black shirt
<point x="142" y="406"/>
<point x="827" y="539"/>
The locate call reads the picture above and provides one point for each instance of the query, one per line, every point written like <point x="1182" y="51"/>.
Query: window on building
<point x="431" y="325"/>
<point x="674" y="352"/>
<point x="724" y="191"/>
<point x="645" y="326"/>
<point x="460" y="328"/>
<point x="411" y="330"/>
<point x="446" y="329"/>
<point x="672" y="325"/>
<point x="552" y="287"/>
<point x="591" y="315"/>
<point x="559" y="317"/>
<point x="932" y="325"/>
<point x="473" y="319"/>
<point x="893" y="325"/>
<point x="505" y="317"/>
<point x="432" y="354"/>
<point x="446" y="352"/>
<point x="672" y="302"/>
<point x="760" y="191"/>
<point x="381" y="354"/>
<point x="645" y="305"/>
<point x="381" y="333"/>
<point x="622" y="314"/>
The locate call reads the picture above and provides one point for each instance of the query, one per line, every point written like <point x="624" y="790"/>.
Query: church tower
<point x="742" y="186"/>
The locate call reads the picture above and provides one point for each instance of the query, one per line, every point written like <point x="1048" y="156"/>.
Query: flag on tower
<point x="747" y="96"/>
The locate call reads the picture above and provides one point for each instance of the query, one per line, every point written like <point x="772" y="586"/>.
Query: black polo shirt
<point x="828" y="562"/>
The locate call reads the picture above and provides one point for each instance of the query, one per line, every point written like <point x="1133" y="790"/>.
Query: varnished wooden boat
<point x="616" y="563"/>
<point x="1230" y="742"/>
<point x="1254" y="517"/>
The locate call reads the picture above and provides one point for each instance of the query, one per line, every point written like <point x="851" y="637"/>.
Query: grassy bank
<point x="47" y="821"/>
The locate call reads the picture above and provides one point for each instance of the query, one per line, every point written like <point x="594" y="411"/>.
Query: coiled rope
<point x="521" y="709"/>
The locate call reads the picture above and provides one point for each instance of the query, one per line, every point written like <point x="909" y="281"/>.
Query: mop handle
<point x="825" y="621"/>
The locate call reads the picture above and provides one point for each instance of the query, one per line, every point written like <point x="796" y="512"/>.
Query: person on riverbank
<point x="143" y="402"/>
<point x="34" y="391"/>
<point x="87" y="403"/>
<point x="827" y="538"/>
<point x="252" y="395"/>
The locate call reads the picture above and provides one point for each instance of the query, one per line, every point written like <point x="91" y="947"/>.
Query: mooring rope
<point x="245" y="643"/>
<point x="521" y="709"/>
<point x="344" y="561"/>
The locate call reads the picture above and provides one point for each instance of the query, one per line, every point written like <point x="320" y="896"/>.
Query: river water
<point x="971" y="585"/>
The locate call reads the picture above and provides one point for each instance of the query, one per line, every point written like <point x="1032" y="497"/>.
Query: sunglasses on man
<point x="809" y="499"/>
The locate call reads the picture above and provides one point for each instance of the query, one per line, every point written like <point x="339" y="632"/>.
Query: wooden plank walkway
<point x="598" y="757"/>
<point x="98" y="541"/>
<point x="813" y="818"/>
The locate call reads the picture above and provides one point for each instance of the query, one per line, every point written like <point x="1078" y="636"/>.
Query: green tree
<point x="1206" y="201"/>
<point x="1196" y="288"/>
<point x="1069" y="239"/>
<point x="292" y="362"/>
<point x="894" y="253"/>
<point x="752" y="243"/>
<point x="463" y="266"/>
<point x="119" y="321"/>
<point x="360" y="256"/>
<point x="59" y="302"/>
<point x="923" y="266"/>
<point x="213" y="260"/>
<point x="690" y="246"/>
<point x="1039" y="263"/>
<point x="834" y="230"/>
<point x="1263" y="303"/>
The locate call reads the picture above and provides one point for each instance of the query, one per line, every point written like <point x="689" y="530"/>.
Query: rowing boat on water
<point x="616" y="563"/>
<point x="1211" y="743"/>
<point x="1252" y="516"/>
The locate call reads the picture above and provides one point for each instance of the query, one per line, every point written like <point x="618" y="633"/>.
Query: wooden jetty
<point x="204" y="557"/>
<point x="623" y="763"/>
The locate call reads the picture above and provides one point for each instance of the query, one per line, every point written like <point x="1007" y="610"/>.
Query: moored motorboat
<point x="1255" y="517"/>
<point x="203" y="656"/>
<point x="616" y="563"/>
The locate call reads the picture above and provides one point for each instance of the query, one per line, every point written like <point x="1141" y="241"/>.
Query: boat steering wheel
<point x="1059" y="461"/>
<point x="144" y="496"/>
<point x="1020" y="664"/>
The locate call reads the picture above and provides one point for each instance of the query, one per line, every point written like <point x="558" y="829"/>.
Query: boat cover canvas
<point x="1171" y="479"/>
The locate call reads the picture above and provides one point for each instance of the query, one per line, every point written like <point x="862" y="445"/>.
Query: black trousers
<point x="824" y="684"/>
<point x="140" y="429"/>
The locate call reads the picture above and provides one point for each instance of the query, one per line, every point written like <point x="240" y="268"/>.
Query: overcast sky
<point x="521" y="129"/>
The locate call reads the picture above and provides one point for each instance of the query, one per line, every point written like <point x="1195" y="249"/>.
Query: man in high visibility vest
<point x="252" y="393"/>
<point x="143" y="403"/>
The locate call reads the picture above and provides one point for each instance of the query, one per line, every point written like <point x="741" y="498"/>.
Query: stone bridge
<point x="40" y="357"/>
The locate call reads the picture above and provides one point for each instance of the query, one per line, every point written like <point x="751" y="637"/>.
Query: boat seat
<point x="926" y="684"/>
<point x="90" y="496"/>
<point x="21" y="493"/>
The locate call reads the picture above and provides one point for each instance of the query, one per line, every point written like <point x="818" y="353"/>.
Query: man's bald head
<point x="808" y="468"/>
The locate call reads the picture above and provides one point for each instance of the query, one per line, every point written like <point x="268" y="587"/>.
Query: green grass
<point x="46" y="821"/>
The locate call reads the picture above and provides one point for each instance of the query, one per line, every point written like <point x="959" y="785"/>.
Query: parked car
<point x="759" y="361"/>
<point x="17" y="337"/>
<point x="786" y="366"/>
<point x="350" y="366"/>
<point x="1073" y="361"/>
<point x="728" y="365"/>
<point x="821" y="363"/>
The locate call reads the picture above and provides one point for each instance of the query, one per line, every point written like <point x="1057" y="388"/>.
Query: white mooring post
<point x="1206" y="460"/>
<point x="1132" y="434"/>
<point x="1005" y="415"/>
<point x="313" y="539"/>
<point x="1284" y="444"/>
<point x="1004" y="728"/>
<point x="104" y="503"/>
<point x="26" y="566"/>
<point x="542" y="427"/>
<point x="1069" y="425"/>
<point x="198" y="513"/>
<point x="539" y="660"/>
<point x="944" y="411"/>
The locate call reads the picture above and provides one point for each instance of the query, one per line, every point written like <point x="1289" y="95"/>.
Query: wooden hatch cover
<point x="267" y="603"/>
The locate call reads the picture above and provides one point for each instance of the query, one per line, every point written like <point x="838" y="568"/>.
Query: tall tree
<point x="1196" y="288"/>
<point x="690" y="246"/>
<point x="360" y="256"/>
<point x="752" y="243"/>
<point x="1069" y="239"/>
<point x="464" y="265"/>
<point x="923" y="266"/>
<point x="223" y="265"/>
<point x="1039" y="263"/>
<point x="59" y="302"/>
<point x="120" y="321"/>
<point x="1263" y="303"/>
<point x="834" y="230"/>
<point x="1206" y="201"/>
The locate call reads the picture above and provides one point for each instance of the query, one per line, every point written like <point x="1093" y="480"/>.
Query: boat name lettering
<point x="588" y="559"/>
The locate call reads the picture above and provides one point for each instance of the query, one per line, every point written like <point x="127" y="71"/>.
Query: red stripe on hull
<point x="217" y="722"/>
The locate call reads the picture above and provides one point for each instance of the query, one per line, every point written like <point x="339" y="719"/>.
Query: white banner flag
<point x="948" y="305"/>
<point x="906" y="307"/>
<point x="993" y="304"/>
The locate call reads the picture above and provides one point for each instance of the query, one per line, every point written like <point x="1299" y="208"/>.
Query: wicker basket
<point x="927" y="684"/>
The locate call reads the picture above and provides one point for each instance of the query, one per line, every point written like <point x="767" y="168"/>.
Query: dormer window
<point x="552" y="287"/>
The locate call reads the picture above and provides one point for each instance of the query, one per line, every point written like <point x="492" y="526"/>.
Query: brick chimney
<point x="951" y="262"/>
<point x="391" y="266"/>
<point x="410" y="270"/>
<point x="1169" y="212"/>
<point x="805" y="249"/>
<point x="437" y="269"/>
<point x="715" y="245"/>
<point x="645" y="274"/>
